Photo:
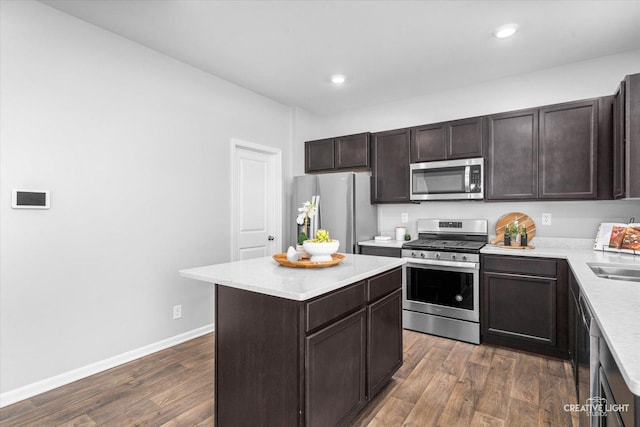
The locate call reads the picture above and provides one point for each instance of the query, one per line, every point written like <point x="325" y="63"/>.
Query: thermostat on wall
<point x="30" y="199"/>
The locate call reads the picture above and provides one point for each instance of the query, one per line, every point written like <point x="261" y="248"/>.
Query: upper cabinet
<point x="457" y="139"/>
<point x="349" y="152"/>
<point x="512" y="155"/>
<point x="390" y="166"/>
<point x="545" y="153"/>
<point x="568" y="148"/>
<point x="626" y="124"/>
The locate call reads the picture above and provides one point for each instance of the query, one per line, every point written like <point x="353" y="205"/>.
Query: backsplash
<point x="579" y="219"/>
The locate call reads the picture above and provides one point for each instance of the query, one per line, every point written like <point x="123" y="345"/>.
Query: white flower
<point x="308" y="210"/>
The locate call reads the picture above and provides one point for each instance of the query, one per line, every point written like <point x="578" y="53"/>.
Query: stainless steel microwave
<point x="461" y="179"/>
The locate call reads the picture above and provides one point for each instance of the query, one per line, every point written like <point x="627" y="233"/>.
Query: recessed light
<point x="338" y="79"/>
<point x="505" y="31"/>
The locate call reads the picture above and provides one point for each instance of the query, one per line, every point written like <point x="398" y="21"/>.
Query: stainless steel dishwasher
<point x="588" y="367"/>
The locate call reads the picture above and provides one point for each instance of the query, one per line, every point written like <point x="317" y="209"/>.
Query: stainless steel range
<point x="441" y="289"/>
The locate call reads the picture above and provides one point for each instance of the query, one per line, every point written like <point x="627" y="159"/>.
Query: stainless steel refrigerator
<point x="345" y="208"/>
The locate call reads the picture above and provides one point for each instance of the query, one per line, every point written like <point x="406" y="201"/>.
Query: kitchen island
<point x="303" y="346"/>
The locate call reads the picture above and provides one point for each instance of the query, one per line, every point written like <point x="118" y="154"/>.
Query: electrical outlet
<point x="404" y="217"/>
<point x="546" y="219"/>
<point x="177" y="311"/>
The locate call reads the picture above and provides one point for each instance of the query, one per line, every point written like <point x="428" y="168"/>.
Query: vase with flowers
<point x="305" y="213"/>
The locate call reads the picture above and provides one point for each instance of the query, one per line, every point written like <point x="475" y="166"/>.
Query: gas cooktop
<point x="444" y="245"/>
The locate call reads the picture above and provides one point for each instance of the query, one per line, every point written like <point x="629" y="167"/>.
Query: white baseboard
<point x="30" y="390"/>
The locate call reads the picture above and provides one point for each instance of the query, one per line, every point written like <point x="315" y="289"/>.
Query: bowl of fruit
<point x="322" y="247"/>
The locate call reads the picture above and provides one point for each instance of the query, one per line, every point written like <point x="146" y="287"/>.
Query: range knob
<point x="464" y="257"/>
<point x="453" y="256"/>
<point x="413" y="254"/>
<point x="422" y="254"/>
<point x="438" y="255"/>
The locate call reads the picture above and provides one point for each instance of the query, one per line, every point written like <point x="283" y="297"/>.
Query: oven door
<point x="443" y="288"/>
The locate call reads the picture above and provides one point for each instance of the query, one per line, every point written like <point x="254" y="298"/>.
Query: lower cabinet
<point x="306" y="363"/>
<point x="381" y="251"/>
<point x="524" y="304"/>
<point x="335" y="361"/>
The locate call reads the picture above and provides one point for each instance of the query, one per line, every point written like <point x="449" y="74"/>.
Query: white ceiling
<point x="389" y="50"/>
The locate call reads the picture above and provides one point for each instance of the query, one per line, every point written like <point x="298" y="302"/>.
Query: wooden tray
<point x="510" y="218"/>
<point x="502" y="246"/>
<point x="306" y="263"/>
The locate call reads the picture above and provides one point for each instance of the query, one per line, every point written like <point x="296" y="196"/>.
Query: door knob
<point x="271" y="238"/>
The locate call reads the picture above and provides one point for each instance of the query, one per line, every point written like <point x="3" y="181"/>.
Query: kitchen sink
<point x="616" y="271"/>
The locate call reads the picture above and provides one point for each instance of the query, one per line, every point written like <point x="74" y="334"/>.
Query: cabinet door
<point x="390" y="162"/>
<point x="512" y="166"/>
<point x="352" y="151"/>
<point x="632" y="135"/>
<point x="335" y="371"/>
<point x="384" y="337"/>
<point x="318" y="155"/>
<point x="519" y="308"/>
<point x="464" y="138"/>
<point x="618" y="143"/>
<point x="568" y="151"/>
<point x="428" y="143"/>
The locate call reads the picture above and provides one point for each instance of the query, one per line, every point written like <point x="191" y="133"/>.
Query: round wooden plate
<point x="306" y="263"/>
<point x="510" y="218"/>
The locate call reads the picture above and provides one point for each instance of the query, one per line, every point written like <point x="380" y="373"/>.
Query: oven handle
<point x="443" y="263"/>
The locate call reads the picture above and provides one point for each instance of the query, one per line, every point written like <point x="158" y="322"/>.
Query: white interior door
<point x="256" y="201"/>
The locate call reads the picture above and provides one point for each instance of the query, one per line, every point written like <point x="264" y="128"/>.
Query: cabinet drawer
<point x="381" y="251"/>
<point x="519" y="265"/>
<point x="334" y="305"/>
<point x="384" y="284"/>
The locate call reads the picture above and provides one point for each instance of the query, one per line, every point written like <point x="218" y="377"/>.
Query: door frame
<point x="276" y="156"/>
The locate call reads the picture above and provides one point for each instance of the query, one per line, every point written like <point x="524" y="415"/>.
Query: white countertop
<point x="615" y="304"/>
<point x="383" y="243"/>
<point x="266" y="276"/>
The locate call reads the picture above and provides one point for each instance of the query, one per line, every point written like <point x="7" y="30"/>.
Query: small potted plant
<point x="513" y="231"/>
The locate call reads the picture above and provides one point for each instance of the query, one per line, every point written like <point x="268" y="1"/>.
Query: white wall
<point x="135" y="149"/>
<point x="587" y="79"/>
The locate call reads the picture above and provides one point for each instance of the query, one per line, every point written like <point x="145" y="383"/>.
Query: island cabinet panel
<point x="524" y="306"/>
<point x="384" y="341"/>
<point x="334" y="305"/>
<point x="568" y="151"/>
<point x="282" y="362"/>
<point x="390" y="166"/>
<point x="335" y="371"/>
<point x="512" y="157"/>
<point x="256" y="359"/>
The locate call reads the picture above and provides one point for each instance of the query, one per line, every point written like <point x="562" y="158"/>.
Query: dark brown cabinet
<point x="349" y="152"/>
<point x="381" y="251"/>
<point x="618" y="143"/>
<point x="390" y="166"/>
<point x="626" y="158"/>
<point x="457" y="139"/>
<point x="524" y="304"/>
<point x="512" y="155"/>
<point x="315" y="362"/>
<point x="335" y="361"/>
<point x="549" y="153"/>
<point x="384" y="340"/>
<point x="568" y="148"/>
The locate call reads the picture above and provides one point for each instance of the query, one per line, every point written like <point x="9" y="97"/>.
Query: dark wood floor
<point x="442" y="382"/>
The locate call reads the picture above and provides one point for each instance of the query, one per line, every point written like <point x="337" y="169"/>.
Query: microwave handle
<point x="467" y="179"/>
